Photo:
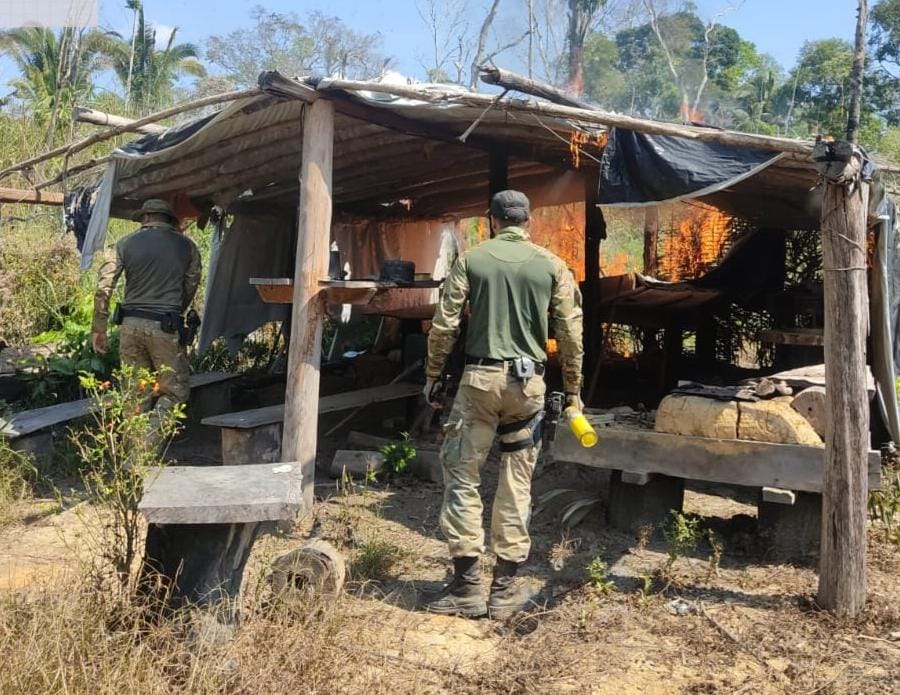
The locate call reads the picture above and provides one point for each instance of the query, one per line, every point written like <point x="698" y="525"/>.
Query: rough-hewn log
<point x="15" y="195"/>
<point x="842" y="566"/>
<point x="72" y="148"/>
<point x="82" y="114"/>
<point x="526" y="85"/>
<point x="586" y="116"/>
<point x="301" y="412"/>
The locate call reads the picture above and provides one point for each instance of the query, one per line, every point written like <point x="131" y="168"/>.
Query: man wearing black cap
<point x="162" y="273"/>
<point x="512" y="288"/>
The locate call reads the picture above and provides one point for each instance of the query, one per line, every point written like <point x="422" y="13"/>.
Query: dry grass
<point x="16" y="475"/>
<point x="39" y="276"/>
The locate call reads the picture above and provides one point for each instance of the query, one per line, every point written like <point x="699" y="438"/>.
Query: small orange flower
<point x="104" y="385"/>
<point x="156" y="388"/>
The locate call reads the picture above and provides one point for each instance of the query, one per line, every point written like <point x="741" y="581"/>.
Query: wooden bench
<point x="650" y="468"/>
<point x="203" y="521"/>
<point x="31" y="431"/>
<point x="255" y="435"/>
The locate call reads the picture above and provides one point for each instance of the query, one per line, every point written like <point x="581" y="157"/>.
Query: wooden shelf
<point x="361" y="292"/>
<point x="810" y="337"/>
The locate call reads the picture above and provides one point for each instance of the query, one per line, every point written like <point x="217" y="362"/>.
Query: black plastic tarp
<point x="639" y="169"/>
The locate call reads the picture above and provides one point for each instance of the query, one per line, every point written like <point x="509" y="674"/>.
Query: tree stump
<point x="314" y="569"/>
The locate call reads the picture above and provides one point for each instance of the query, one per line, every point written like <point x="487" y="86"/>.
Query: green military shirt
<point x="162" y="273"/>
<point x="512" y="288"/>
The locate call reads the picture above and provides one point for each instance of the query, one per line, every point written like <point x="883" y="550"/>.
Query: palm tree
<point x="56" y="69"/>
<point x="147" y="73"/>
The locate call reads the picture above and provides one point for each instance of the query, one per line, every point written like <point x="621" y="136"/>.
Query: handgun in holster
<point x="187" y="331"/>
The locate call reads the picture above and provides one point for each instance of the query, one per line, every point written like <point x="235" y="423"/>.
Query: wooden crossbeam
<point x="16" y="195"/>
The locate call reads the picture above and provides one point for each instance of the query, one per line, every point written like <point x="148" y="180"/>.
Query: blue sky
<point x="778" y="27"/>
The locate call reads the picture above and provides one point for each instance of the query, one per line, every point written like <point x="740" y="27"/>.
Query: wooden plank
<point x="731" y="461"/>
<point x="258" y="417"/>
<point x="222" y="494"/>
<point x="301" y="408"/>
<point x="30" y="421"/>
<point x="811" y="337"/>
<point x="16" y="195"/>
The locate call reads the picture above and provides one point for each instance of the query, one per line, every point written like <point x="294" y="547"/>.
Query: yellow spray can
<point x="582" y="429"/>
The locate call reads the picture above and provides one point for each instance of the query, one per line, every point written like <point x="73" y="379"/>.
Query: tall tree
<point x="56" y="69"/>
<point x="320" y="45"/>
<point x="153" y="71"/>
<point x="581" y="15"/>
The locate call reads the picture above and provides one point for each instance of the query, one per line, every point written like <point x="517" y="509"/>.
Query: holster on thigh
<point x="531" y="429"/>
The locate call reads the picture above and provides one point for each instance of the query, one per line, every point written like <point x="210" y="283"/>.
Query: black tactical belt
<point x="139" y="314"/>
<point x="491" y="362"/>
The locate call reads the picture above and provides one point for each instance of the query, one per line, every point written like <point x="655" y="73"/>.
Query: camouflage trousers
<point x="143" y="344"/>
<point x="490" y="398"/>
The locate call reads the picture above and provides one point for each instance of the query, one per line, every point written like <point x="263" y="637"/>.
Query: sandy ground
<point x="746" y="626"/>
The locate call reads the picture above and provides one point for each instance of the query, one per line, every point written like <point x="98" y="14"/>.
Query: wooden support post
<point x="594" y="233"/>
<point x="301" y="407"/>
<point x="651" y="241"/>
<point x="842" y="569"/>
<point x="842" y="563"/>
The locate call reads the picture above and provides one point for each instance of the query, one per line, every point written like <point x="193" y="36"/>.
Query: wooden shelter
<point x="315" y="150"/>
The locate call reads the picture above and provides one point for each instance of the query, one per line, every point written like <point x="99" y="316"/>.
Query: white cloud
<point x="163" y="32"/>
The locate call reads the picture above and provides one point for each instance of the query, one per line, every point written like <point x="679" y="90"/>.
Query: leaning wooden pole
<point x="301" y="407"/>
<point x="842" y="564"/>
<point x="82" y="114"/>
<point x="72" y="148"/>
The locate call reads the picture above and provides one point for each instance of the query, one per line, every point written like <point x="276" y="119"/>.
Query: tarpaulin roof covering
<point x="389" y="148"/>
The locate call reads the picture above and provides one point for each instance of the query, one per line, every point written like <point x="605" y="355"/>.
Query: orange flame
<point x="693" y="246"/>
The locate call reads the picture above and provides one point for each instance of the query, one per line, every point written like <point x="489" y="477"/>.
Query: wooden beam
<point x="585" y="116"/>
<point x="301" y="412"/>
<point x="511" y="80"/>
<point x="82" y="114"/>
<point x="730" y="461"/>
<point x="71" y="148"/>
<point x="15" y="195"/>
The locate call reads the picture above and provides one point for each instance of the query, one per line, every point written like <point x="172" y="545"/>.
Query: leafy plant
<point x="576" y="510"/>
<point x="715" y="556"/>
<point x="598" y="575"/>
<point x="682" y="535"/>
<point x="375" y="559"/>
<point x="127" y="441"/>
<point x="398" y="454"/>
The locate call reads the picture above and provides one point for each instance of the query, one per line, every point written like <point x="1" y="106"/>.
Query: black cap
<point x="511" y="205"/>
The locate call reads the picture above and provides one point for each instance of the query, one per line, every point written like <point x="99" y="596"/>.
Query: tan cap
<point x="155" y="206"/>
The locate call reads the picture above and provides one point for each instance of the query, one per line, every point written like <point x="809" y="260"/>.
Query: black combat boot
<point x="508" y="596"/>
<point x="462" y="596"/>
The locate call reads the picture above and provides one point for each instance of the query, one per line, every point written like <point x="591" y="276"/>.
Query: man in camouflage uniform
<point x="511" y="287"/>
<point x="162" y="273"/>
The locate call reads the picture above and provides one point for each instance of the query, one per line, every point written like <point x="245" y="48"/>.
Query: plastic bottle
<point x="582" y="429"/>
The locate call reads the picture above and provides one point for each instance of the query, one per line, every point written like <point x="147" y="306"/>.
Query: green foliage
<point x="38" y="279"/>
<point x="598" y="575"/>
<point x="375" y="559"/>
<point x="146" y="72"/>
<point x="126" y="442"/>
<point x="398" y="454"/>
<point x="56" y="377"/>
<point x="682" y="535"/>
